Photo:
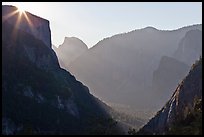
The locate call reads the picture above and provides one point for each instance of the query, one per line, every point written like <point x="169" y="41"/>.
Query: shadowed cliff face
<point x="31" y="25"/>
<point x="180" y="105"/>
<point x="30" y="46"/>
<point x="28" y="22"/>
<point x="38" y="97"/>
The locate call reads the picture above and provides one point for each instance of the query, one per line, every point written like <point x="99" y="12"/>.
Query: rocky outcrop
<point x="71" y="48"/>
<point x="180" y="104"/>
<point x="190" y="47"/>
<point x="34" y="40"/>
<point x="32" y="24"/>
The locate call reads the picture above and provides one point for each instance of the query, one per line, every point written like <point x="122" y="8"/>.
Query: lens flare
<point x="21" y="10"/>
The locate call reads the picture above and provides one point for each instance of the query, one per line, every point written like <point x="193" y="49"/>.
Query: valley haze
<point x="75" y="69"/>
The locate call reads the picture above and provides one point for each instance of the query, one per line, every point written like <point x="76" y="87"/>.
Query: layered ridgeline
<point x="71" y="48"/>
<point x="172" y="69"/>
<point x="167" y="75"/>
<point x="182" y="114"/>
<point x="120" y="69"/>
<point x="38" y="97"/>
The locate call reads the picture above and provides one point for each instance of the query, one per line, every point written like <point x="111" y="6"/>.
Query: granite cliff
<point x="39" y="97"/>
<point x="183" y="110"/>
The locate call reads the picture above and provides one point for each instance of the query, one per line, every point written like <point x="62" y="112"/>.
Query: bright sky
<point x="93" y="21"/>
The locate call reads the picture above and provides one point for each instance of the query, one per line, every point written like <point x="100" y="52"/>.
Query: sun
<point x="21" y="10"/>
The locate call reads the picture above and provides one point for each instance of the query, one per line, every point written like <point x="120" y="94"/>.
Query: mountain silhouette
<point x="39" y="97"/>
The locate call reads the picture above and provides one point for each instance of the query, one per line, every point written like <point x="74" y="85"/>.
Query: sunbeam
<point x="21" y="10"/>
<point x="20" y="17"/>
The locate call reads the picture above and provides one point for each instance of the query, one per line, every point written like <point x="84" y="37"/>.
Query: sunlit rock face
<point x="28" y="22"/>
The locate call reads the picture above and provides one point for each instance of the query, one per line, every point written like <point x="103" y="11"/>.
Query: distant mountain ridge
<point x="195" y="26"/>
<point x="71" y="48"/>
<point x="124" y="64"/>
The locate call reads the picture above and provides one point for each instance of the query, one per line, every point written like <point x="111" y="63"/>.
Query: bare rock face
<point x="33" y="35"/>
<point x="29" y="23"/>
<point x="180" y="104"/>
<point x="190" y="47"/>
<point x="70" y="50"/>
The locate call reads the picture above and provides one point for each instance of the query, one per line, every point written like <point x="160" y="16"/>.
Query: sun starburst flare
<point x="21" y="15"/>
<point x="21" y="10"/>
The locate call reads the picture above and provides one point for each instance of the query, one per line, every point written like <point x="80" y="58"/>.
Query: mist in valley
<point x="140" y="79"/>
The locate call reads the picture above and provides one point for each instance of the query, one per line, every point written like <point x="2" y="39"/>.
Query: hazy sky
<point x="93" y="21"/>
